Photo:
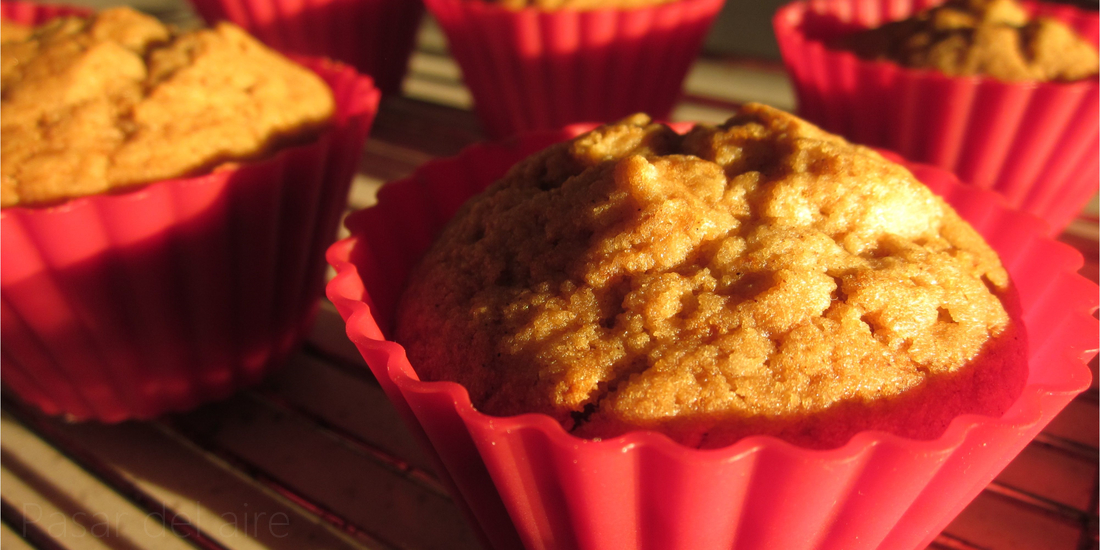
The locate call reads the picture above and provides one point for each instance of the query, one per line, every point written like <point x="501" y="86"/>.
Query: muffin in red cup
<point x="156" y="297"/>
<point x="529" y="483"/>
<point x="1032" y="142"/>
<point x="374" y="36"/>
<point x="536" y="68"/>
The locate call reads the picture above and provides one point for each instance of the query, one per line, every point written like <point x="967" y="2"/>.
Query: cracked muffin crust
<point x="92" y="105"/>
<point x="993" y="38"/>
<point x="11" y="31"/>
<point x="761" y="277"/>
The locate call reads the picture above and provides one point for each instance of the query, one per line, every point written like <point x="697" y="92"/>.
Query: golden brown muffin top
<point x="637" y="278"/>
<point x="91" y="105"/>
<point x="577" y="5"/>
<point x="980" y="37"/>
<point x="11" y="31"/>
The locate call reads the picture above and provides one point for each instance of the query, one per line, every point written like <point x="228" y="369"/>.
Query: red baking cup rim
<point x="1070" y="374"/>
<point x="482" y="7"/>
<point x="531" y="68"/>
<point x="375" y="36"/>
<point x="32" y="13"/>
<point x="356" y="97"/>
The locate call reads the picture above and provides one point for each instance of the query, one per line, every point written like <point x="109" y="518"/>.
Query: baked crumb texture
<point x="11" y="31"/>
<point x="92" y="105"/>
<point x="994" y="38"/>
<point x="761" y="277"/>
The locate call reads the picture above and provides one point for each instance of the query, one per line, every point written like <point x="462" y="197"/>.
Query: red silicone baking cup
<point x="32" y="13"/>
<point x="157" y="299"/>
<point x="530" y="484"/>
<point x="374" y="36"/>
<point x="531" y="69"/>
<point x="1035" y="143"/>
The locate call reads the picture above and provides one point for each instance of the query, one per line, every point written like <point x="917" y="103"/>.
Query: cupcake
<point x="374" y="36"/>
<point x="531" y="483"/>
<point x="931" y="91"/>
<point x="164" y="217"/>
<point x="761" y="277"/>
<point x="546" y="64"/>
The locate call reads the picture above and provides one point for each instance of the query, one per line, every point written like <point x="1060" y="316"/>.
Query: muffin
<point x="761" y="277"/>
<point x="374" y="36"/>
<point x="186" y="276"/>
<point x="529" y="483"/>
<point x="1025" y="132"/>
<point x="993" y="38"/>
<point x="97" y="105"/>
<point x="544" y="65"/>
<point x="11" y="31"/>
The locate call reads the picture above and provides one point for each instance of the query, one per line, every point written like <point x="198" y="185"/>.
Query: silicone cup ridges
<point x="157" y="299"/>
<point x="529" y="483"/>
<point x="33" y="13"/>
<point x="374" y="36"/>
<point x="531" y="69"/>
<point x="1035" y="143"/>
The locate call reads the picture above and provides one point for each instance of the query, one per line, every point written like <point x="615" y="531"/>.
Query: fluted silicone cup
<point x="529" y="484"/>
<point x="157" y="299"/>
<point x="533" y="69"/>
<point x="374" y="36"/>
<point x="1034" y="143"/>
<point x="32" y="13"/>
